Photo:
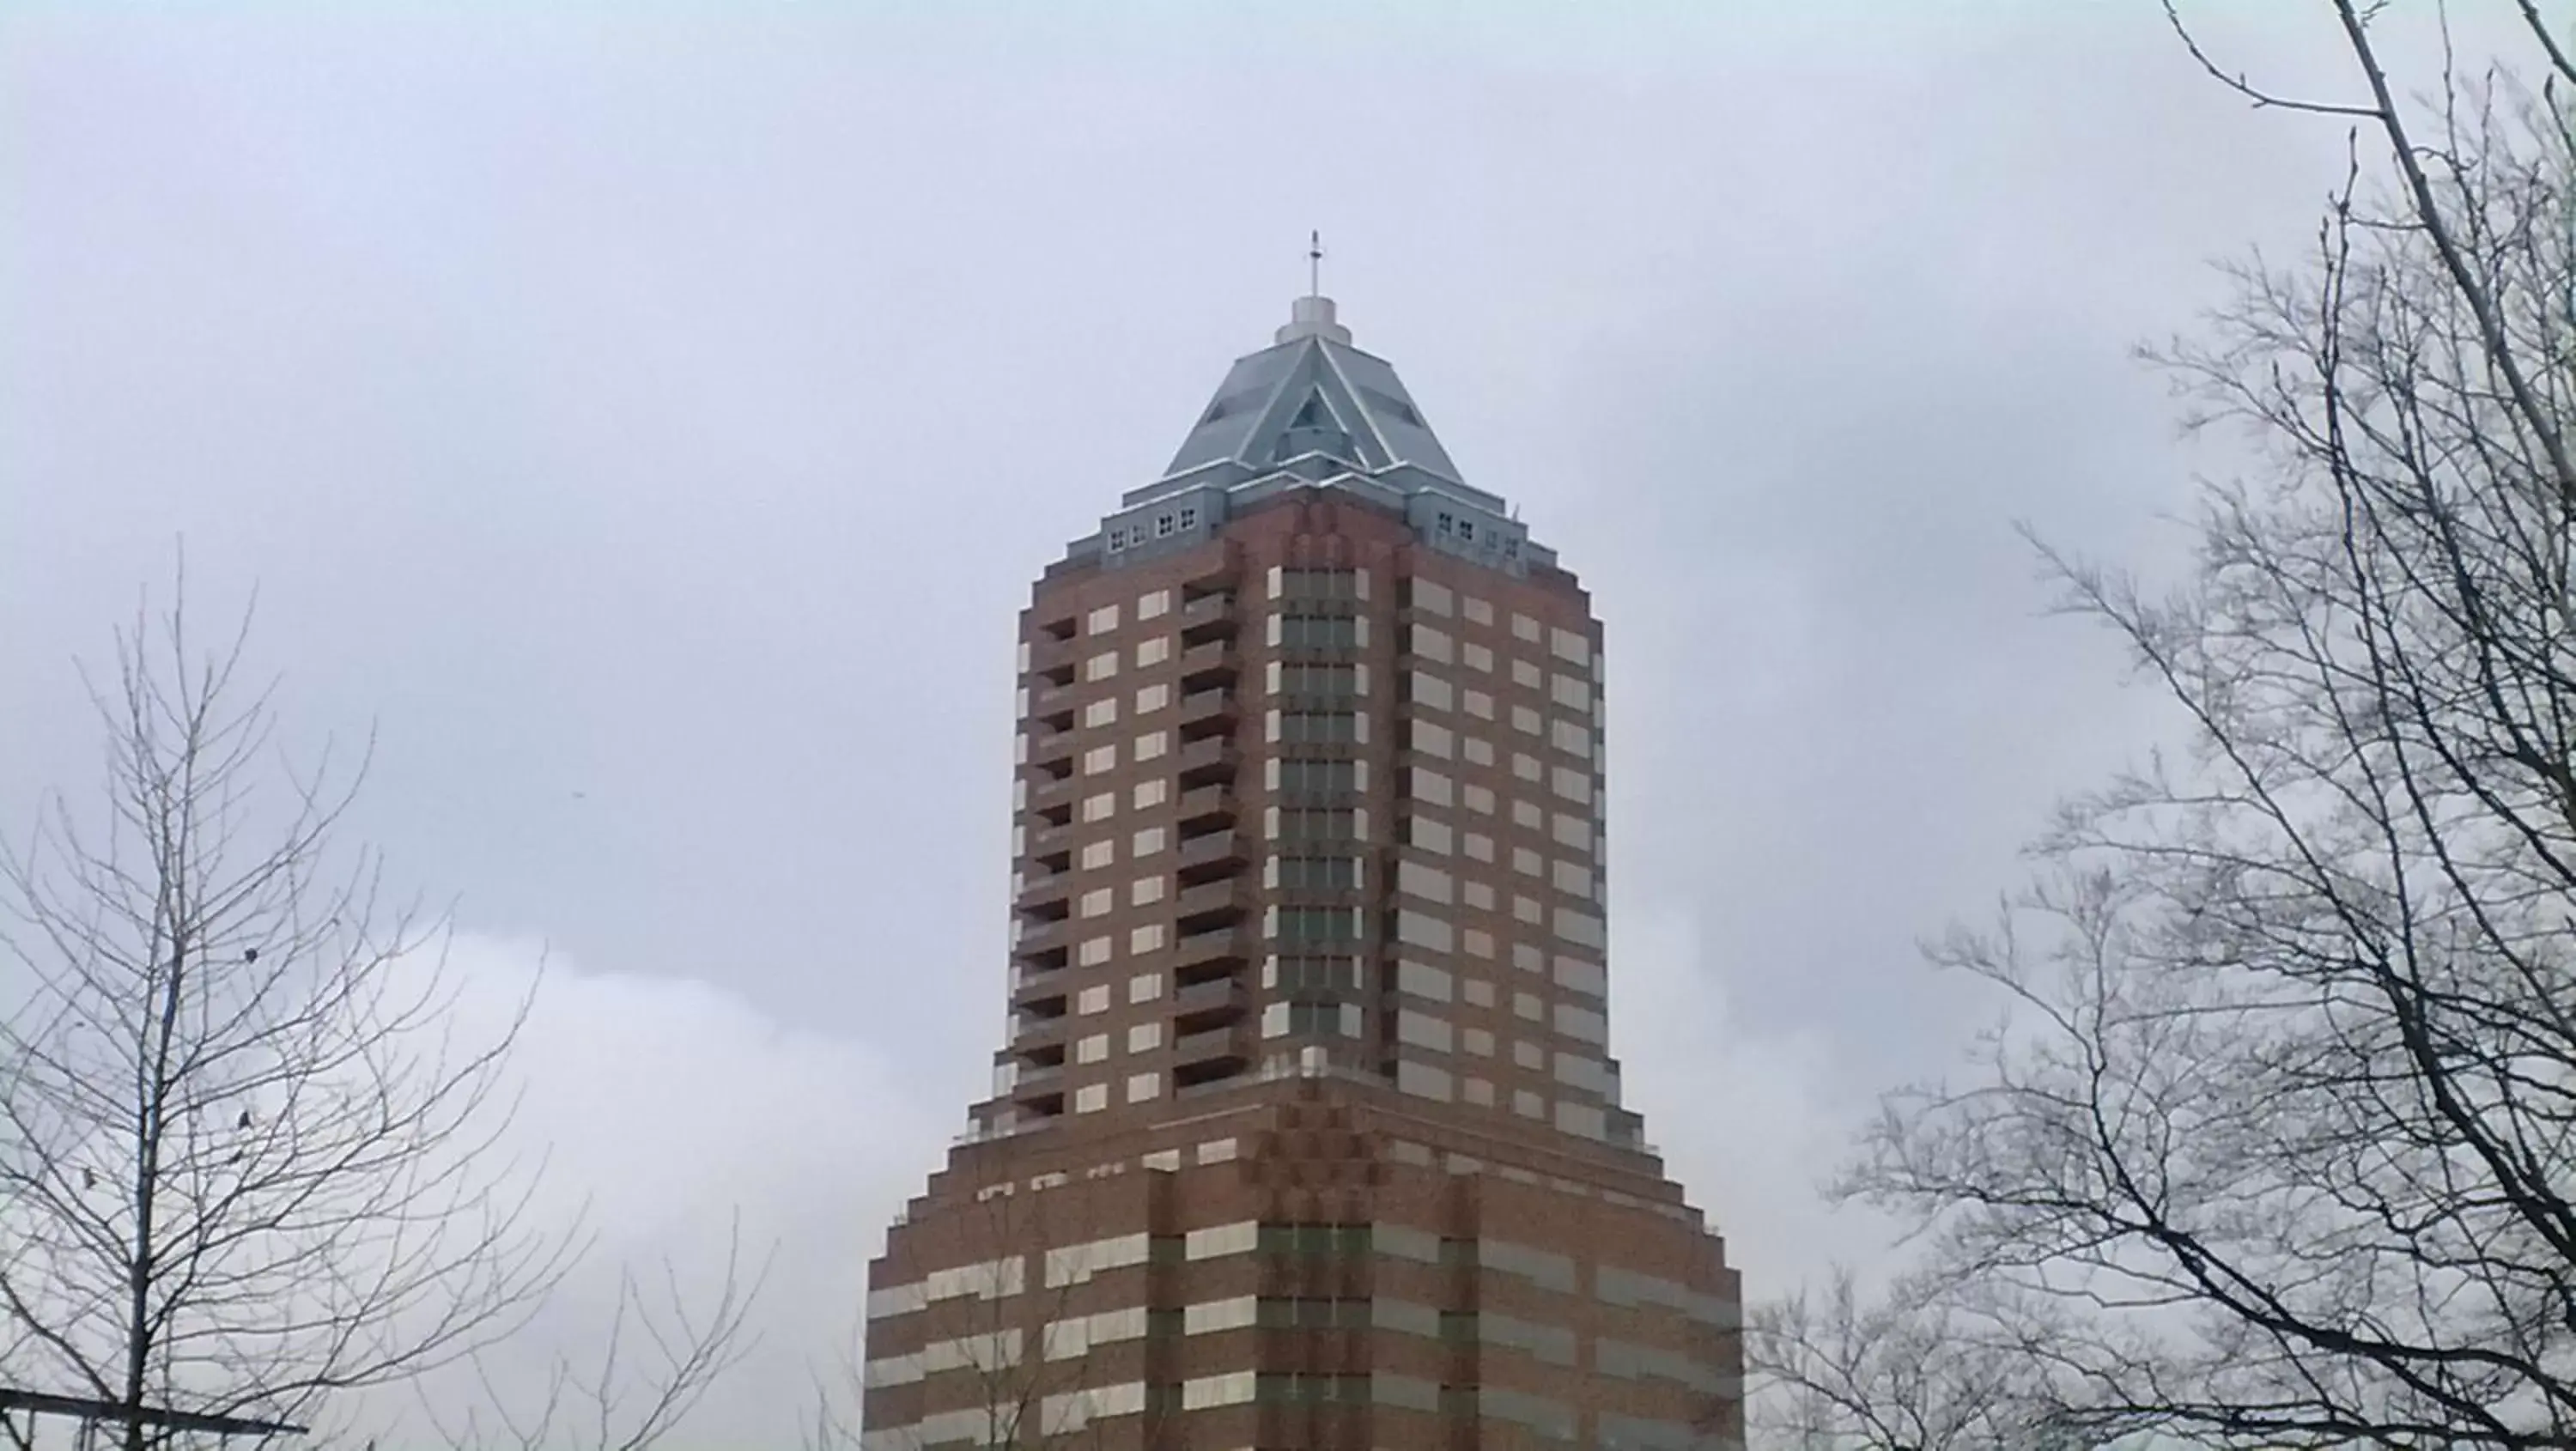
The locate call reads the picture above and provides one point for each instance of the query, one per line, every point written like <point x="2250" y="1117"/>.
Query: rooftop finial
<point x="1311" y="316"/>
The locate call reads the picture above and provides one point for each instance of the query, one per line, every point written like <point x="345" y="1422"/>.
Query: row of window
<point x="1104" y="711"/>
<point x="1431" y="597"/>
<point x="1426" y="596"/>
<point x="1431" y="692"/>
<point x="1163" y="525"/>
<point x="1574" y="692"/>
<point x="1435" y="884"/>
<point x="1148" y="653"/>
<point x="1074" y="1264"/>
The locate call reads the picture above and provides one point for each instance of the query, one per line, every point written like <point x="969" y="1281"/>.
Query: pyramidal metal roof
<point x="1310" y="392"/>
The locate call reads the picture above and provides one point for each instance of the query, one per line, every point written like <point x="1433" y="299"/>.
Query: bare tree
<point x="2278" y="1144"/>
<point x="658" y="1357"/>
<point x="250" y="1157"/>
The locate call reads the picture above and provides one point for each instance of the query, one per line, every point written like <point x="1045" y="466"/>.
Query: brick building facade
<point x="1306" y="1134"/>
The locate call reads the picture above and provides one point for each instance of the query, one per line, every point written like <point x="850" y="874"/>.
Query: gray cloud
<point x="653" y="420"/>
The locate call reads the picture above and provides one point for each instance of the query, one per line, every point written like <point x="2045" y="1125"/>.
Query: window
<point x="1142" y="1086"/>
<point x="1422" y="980"/>
<point x="1429" y="690"/>
<point x="1571" y="691"/>
<point x="1573" y="739"/>
<point x="1575" y="974"/>
<point x="1422" y="1030"/>
<point x="1477" y="657"/>
<point x="1102" y="620"/>
<point x="1476" y="943"/>
<point x="1477" y="703"/>
<point x="1154" y="651"/>
<point x="1151" y="745"/>
<point x="1574" y="878"/>
<point x="1524" y="628"/>
<point x="1526" y="674"/>
<point x="1318" y="777"/>
<point x="1478" y="752"/>
<point x="1571" y="784"/>
<point x="1099" y="854"/>
<point x="1527" y="958"/>
<point x="1148" y="938"/>
<point x="1097" y="902"/>
<point x="1144" y="987"/>
<point x="1306" y="677"/>
<point x="1477" y="845"/>
<point x="1476" y="1091"/>
<point x="1432" y="598"/>
<point x="1474" y="609"/>
<point x="1147" y="842"/>
<point x="1421" y="1079"/>
<point x="1318" y="632"/>
<point x="1582" y="1023"/>
<point x="1430" y="835"/>
<point x="1480" y="799"/>
<point x="1527" y="1005"/>
<point x="1316" y="727"/>
<point x="1433" y="740"/>
<point x="1309" y="824"/>
<point x="1100" y="666"/>
<point x="1310" y="1314"/>
<point x="1100" y="807"/>
<point x="1581" y="928"/>
<point x="1318" y="924"/>
<point x="1421" y="929"/>
<point x="1477" y="991"/>
<point x="1527" y="909"/>
<point x="1144" y="891"/>
<point x="1091" y="1098"/>
<point x="1526" y="767"/>
<point x="1478" y="895"/>
<point x="1526" y="813"/>
<point x="1319" y="584"/>
<point x="1150" y="793"/>
<point x="1432" y="644"/>
<point x="1313" y="1239"/>
<point x="1528" y="863"/>
<point x="1091" y="1049"/>
<point x="1429" y="786"/>
<point x="1152" y="698"/>
<point x="1154" y="604"/>
<point x="1093" y="999"/>
<point x="1318" y="974"/>
<point x="1528" y="1104"/>
<point x="1420" y="879"/>
<point x="1477" y="1040"/>
<point x="1101" y="712"/>
<point x="1319" y="873"/>
<point x="1100" y="760"/>
<point x="1308" y="1019"/>
<point x="1573" y="831"/>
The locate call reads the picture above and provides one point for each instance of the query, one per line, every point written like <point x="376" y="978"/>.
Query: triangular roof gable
<point x="1263" y="392"/>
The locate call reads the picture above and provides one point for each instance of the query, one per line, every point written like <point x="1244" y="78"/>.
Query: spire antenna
<point x="1315" y="263"/>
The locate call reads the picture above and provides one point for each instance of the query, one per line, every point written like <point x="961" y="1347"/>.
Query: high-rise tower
<point x="1306" y="1133"/>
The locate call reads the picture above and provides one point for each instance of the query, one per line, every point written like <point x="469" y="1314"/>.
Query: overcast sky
<point x="649" y="420"/>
